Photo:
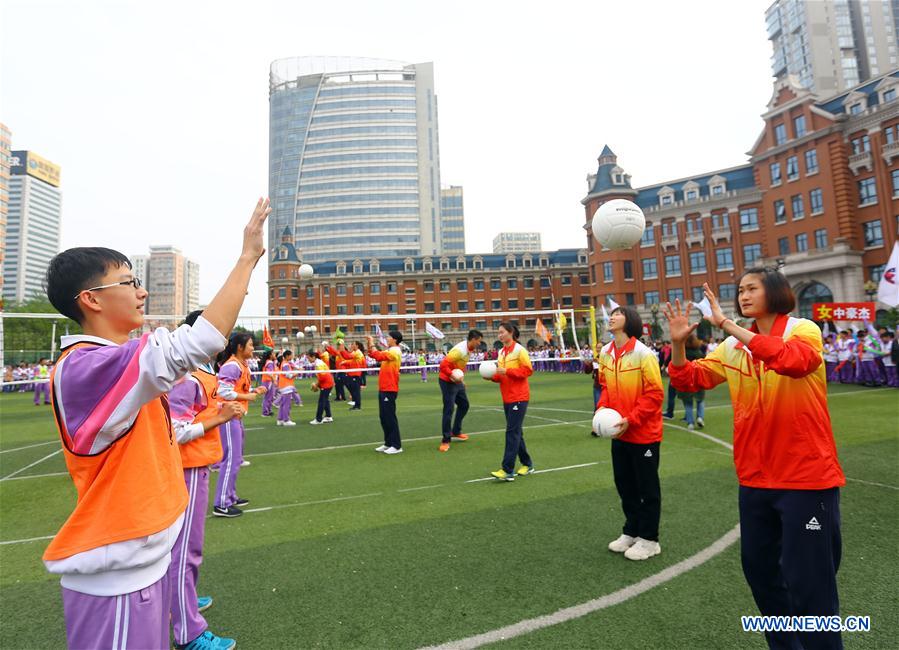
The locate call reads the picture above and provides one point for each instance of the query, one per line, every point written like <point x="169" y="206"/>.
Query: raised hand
<point x="717" y="315"/>
<point x="679" y="321"/>
<point x="253" y="247"/>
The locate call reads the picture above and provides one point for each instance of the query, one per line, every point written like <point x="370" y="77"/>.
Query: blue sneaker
<point x="209" y="641"/>
<point x="204" y="603"/>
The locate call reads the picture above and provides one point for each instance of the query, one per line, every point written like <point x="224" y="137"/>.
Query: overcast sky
<point x="158" y="112"/>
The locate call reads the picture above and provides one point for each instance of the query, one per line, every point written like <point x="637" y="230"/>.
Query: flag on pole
<point x="888" y="289"/>
<point x="605" y="315"/>
<point x="705" y="307"/>
<point x="613" y="305"/>
<point x="433" y="331"/>
<point x="825" y="332"/>
<point x="542" y="332"/>
<point x="381" y="338"/>
<point x="267" y="338"/>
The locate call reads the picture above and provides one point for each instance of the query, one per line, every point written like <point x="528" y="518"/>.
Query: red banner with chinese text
<point x="843" y="311"/>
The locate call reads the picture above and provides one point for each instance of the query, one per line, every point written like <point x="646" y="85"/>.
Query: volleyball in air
<point x="457" y="375"/>
<point x="306" y="271"/>
<point x="618" y="224"/>
<point x="487" y="369"/>
<point x="605" y="422"/>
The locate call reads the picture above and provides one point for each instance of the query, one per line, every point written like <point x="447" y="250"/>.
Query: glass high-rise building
<point x="452" y="212"/>
<point x="354" y="165"/>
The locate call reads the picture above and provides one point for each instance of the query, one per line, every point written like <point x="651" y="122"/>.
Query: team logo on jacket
<point x="813" y="524"/>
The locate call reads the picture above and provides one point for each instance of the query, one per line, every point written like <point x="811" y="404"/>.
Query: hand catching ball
<point x="457" y="375"/>
<point x="487" y="369"/>
<point x="605" y="423"/>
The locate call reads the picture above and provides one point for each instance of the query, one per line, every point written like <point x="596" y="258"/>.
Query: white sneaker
<point x="315" y="422"/>
<point x="351" y="403"/>
<point x="690" y="427"/>
<point x="393" y="450"/>
<point x="288" y="423"/>
<point x="642" y="549"/>
<point x="245" y="463"/>
<point x="700" y="423"/>
<point x="327" y="419"/>
<point x="279" y="423"/>
<point x="382" y="448"/>
<point x="621" y="544"/>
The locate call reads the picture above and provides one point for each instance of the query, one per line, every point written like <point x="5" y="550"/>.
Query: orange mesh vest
<point x="133" y="488"/>
<point x="207" y="449"/>
<point x="242" y="385"/>
<point x="283" y="380"/>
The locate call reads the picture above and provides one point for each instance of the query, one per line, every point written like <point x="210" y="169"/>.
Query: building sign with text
<point x="843" y="311"/>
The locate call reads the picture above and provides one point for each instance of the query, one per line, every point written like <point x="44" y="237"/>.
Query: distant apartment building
<point x="172" y="280"/>
<point x="452" y="218"/>
<point x="516" y="242"/>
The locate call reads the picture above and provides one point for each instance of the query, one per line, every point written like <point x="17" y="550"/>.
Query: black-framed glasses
<point x="135" y="282"/>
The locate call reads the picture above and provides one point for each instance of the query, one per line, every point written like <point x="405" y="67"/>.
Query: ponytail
<point x="235" y="341"/>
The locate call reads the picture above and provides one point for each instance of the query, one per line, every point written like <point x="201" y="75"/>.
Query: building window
<point x="607" y="272"/>
<point x="294" y="293"/>
<point x="479" y="284"/>
<point x="799" y="126"/>
<point x="282" y="311"/>
<point x="873" y="233"/>
<point x="496" y="305"/>
<point x="374" y="288"/>
<point x="717" y="190"/>
<point x="672" y="265"/>
<point x="675" y="294"/>
<point x="798" y="206"/>
<point x="512" y="283"/>
<point x="801" y="242"/>
<point x="444" y="265"/>
<point x="876" y="272"/>
<point x="583" y="278"/>
<point x="510" y="263"/>
<point x="374" y="267"/>
<point x="408" y="266"/>
<point x="650" y="267"/>
<point x="697" y="262"/>
<point x="628" y="270"/>
<point x="749" y="219"/>
<point x="546" y="302"/>
<point x="895" y="176"/>
<point x="428" y="286"/>
<point x="780" y="133"/>
<point x="479" y="305"/>
<point x="651" y="298"/>
<point x="792" y="168"/>
<point x="811" y="161"/>
<point x="513" y="303"/>
<point x="780" y="212"/>
<point x="358" y="288"/>
<point x="698" y="294"/>
<point x="478" y="265"/>
<point x="816" y="201"/>
<point x="667" y="199"/>
<point x="341" y="310"/>
<point x="375" y="309"/>
<point x="861" y="144"/>
<point x="495" y="283"/>
<point x="775" y="173"/>
<point x="427" y="265"/>
<point x="889" y="95"/>
<point x="566" y="280"/>
<point x="724" y="259"/>
<point x="391" y="287"/>
<point x="429" y="307"/>
<point x="721" y="221"/>
<point x="821" y="238"/>
<point x="855" y="109"/>
<point x="544" y="282"/>
<point x="727" y="291"/>
<point x="867" y="191"/>
<point x="282" y="292"/>
<point x="529" y="282"/>
<point x="357" y="267"/>
<point x="692" y="195"/>
<point x="341" y="289"/>
<point x="444" y="285"/>
<point x="463" y="305"/>
<point x="462" y="285"/>
<point x="649" y="236"/>
<point x="445" y="306"/>
<point x="310" y="292"/>
<point x="341" y="268"/>
<point x="751" y="252"/>
<point x="391" y="308"/>
<point x="357" y="309"/>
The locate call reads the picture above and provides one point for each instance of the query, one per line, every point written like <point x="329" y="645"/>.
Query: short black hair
<point x="779" y="298"/>
<point x="474" y="334"/>
<point x="75" y="270"/>
<point x="396" y="335"/>
<point x="633" y="324"/>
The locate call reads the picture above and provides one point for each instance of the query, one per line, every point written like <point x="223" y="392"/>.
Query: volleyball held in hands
<point x="487" y="369"/>
<point x="457" y="375"/>
<point x="618" y="224"/>
<point x="605" y="423"/>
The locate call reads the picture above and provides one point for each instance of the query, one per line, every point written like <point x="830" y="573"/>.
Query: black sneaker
<point x="230" y="511"/>
<point x="668" y="417"/>
<point x="240" y="503"/>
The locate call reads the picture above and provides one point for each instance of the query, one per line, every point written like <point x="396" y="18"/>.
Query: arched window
<point x="814" y="292"/>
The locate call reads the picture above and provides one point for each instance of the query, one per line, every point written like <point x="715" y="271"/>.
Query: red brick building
<point x="820" y="194"/>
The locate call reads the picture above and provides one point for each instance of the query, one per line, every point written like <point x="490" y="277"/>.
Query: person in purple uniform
<point x="108" y="392"/>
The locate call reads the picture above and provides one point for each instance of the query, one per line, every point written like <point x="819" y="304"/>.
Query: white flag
<point x="605" y="315"/>
<point x="433" y="331"/>
<point x="705" y="307"/>
<point x="825" y="332"/>
<point x="613" y="305"/>
<point x="381" y="338"/>
<point x="888" y="290"/>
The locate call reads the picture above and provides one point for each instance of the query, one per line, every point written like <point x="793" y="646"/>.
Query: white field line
<point x="23" y="478"/>
<point x="542" y="471"/>
<point x="30" y="465"/>
<point x="40" y="444"/>
<point x="883" y="485"/>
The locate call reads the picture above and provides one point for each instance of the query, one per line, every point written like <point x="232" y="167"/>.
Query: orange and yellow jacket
<point x="354" y="359"/>
<point x="456" y="358"/>
<point x="632" y="385"/>
<point x="778" y="388"/>
<point x="514" y="384"/>
<point x="323" y="375"/>
<point x="389" y="376"/>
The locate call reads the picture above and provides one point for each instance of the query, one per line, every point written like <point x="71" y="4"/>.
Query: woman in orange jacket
<point x="632" y="385"/>
<point x="784" y="449"/>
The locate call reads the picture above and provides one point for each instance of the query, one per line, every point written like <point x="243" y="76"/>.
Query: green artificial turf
<point x="354" y="549"/>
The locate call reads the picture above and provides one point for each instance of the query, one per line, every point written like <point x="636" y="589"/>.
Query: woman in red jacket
<point x="632" y="385"/>
<point x="784" y="450"/>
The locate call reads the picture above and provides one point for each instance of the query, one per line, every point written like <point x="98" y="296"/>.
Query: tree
<point x="29" y="339"/>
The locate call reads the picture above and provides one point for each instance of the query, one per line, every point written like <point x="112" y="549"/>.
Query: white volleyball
<point x="487" y="369"/>
<point x="457" y="375"/>
<point x="605" y="422"/>
<point x="306" y="271"/>
<point x="618" y="224"/>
